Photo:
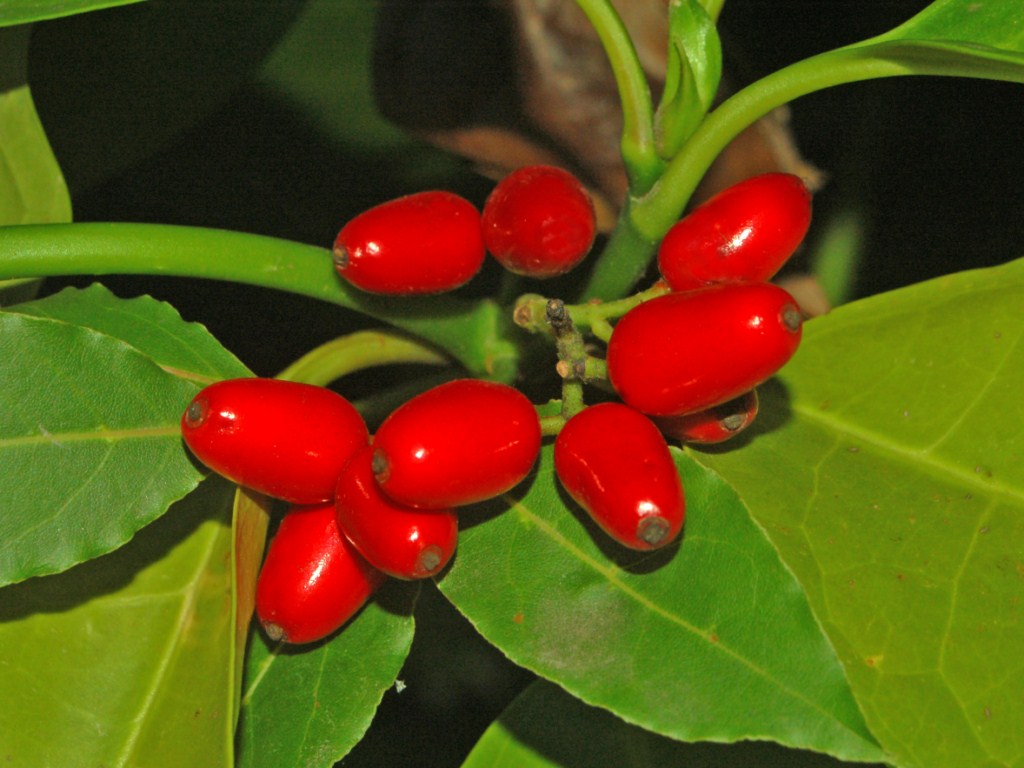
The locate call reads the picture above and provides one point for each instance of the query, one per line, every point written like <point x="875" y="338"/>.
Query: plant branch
<point x="355" y="352"/>
<point x="471" y="331"/>
<point x="659" y="209"/>
<point x="624" y="259"/>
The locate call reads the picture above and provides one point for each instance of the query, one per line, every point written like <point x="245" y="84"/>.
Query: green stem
<point x="624" y="260"/>
<point x="531" y="312"/>
<point x="355" y="352"/>
<point x="645" y="219"/>
<point x="572" y="398"/>
<point x="659" y="209"/>
<point x="713" y="8"/>
<point x="471" y="331"/>
<point x="639" y="151"/>
<point x="551" y="425"/>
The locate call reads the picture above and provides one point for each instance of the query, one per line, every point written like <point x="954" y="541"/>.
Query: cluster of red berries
<point x="538" y="221"/>
<point x="685" y="364"/>
<point x="361" y="509"/>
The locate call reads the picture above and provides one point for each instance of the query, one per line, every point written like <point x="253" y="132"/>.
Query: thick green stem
<point x="355" y="352"/>
<point x="623" y="261"/>
<point x="645" y="219"/>
<point x="639" y="151"/>
<point x="659" y="209"/>
<point x="471" y="331"/>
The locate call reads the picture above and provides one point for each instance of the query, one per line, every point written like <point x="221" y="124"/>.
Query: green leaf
<point x="959" y="37"/>
<point x="32" y="189"/>
<point x="547" y="728"/>
<point x="90" y="444"/>
<point x="19" y="13"/>
<point x="887" y="470"/>
<point x="153" y="327"/>
<point x="692" y="75"/>
<point x="309" y="705"/>
<point x="711" y="639"/>
<point x="90" y="422"/>
<point x="124" y="660"/>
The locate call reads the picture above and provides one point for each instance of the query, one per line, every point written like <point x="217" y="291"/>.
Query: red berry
<point x="744" y="233"/>
<point x="615" y="464"/>
<point x="539" y="221"/>
<point x="685" y="352"/>
<point x="281" y="438"/>
<point x="312" y="580"/>
<point x="428" y="242"/>
<point x="401" y="541"/>
<point x="714" y="425"/>
<point x="459" y="443"/>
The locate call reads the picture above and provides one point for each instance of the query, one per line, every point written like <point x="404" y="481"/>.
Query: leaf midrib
<point x="104" y="434"/>
<point x="189" y="591"/>
<point x="609" y="574"/>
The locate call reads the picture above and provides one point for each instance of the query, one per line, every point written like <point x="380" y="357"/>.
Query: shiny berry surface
<point x="429" y="242"/>
<point x="539" y="221"/>
<point x="312" y="580"/>
<point x="458" y="443"/>
<point x="712" y="426"/>
<point x="282" y="438"/>
<point x="615" y="464"/>
<point x="401" y="541"/>
<point x="685" y="352"/>
<point x="744" y="233"/>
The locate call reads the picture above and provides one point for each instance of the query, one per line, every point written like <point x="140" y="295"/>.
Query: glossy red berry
<point x="539" y="221"/>
<point x="459" y="443"/>
<point x="714" y="425"/>
<point x="685" y="352"/>
<point x="615" y="464"/>
<point x="744" y="233"/>
<point x="401" y="541"/>
<point x="312" y="580"/>
<point x="282" y="438"/>
<point x="429" y="242"/>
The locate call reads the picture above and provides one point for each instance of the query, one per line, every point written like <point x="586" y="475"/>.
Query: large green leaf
<point x="888" y="471"/>
<point x="307" y="706"/>
<point x="711" y="639"/>
<point x="124" y="660"/>
<point x="92" y="390"/>
<point x="90" y="443"/>
<point x="154" y="327"/>
<point x="547" y="728"/>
